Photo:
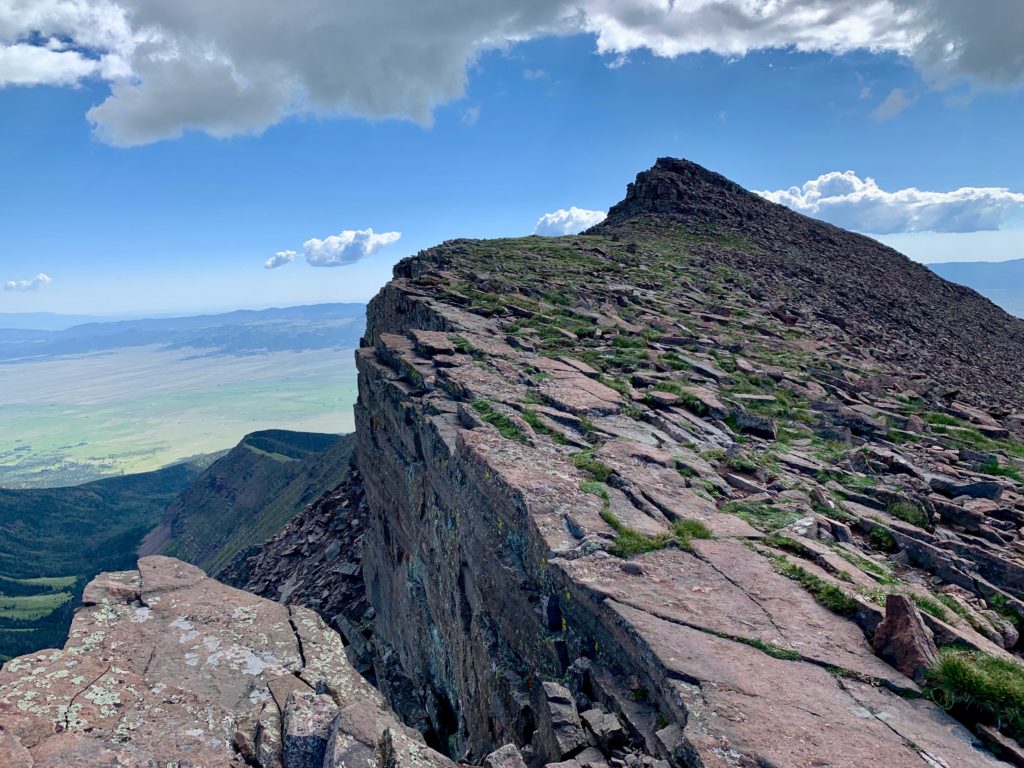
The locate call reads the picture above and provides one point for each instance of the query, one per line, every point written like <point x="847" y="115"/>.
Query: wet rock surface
<point x="165" y="666"/>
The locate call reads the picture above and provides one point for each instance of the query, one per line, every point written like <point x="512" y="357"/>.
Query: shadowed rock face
<point x="549" y="427"/>
<point x="165" y="666"/>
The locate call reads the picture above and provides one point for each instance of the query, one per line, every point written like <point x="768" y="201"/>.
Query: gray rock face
<point x="507" y="756"/>
<point x="307" y="729"/>
<point x="559" y="732"/>
<point x="165" y="666"/>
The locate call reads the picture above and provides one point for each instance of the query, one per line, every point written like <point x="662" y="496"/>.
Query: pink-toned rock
<point x="166" y="666"/>
<point x="431" y="343"/>
<point x="903" y="640"/>
<point x="581" y="395"/>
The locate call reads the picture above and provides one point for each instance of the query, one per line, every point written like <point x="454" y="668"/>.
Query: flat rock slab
<point x="726" y="589"/>
<point x="746" y="708"/>
<point x="166" y="666"/>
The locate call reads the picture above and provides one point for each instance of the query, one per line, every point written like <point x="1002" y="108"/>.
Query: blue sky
<point x="186" y="224"/>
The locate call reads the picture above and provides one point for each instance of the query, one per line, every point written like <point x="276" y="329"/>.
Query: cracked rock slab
<point x="165" y="666"/>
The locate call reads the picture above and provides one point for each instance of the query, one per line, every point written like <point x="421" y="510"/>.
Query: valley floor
<point x="75" y="419"/>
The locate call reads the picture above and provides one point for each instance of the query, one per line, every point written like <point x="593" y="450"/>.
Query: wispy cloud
<point x="567" y="222"/>
<point x="28" y="285"/>
<point x="347" y="247"/>
<point x="279" y="259"/>
<point x="196" y="65"/>
<point x="849" y="201"/>
<point x="894" y="103"/>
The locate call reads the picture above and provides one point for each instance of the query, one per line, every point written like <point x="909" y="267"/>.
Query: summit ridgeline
<point x="712" y="484"/>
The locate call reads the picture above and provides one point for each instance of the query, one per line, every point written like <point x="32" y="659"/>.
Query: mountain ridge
<point x="697" y="487"/>
<point x="248" y="495"/>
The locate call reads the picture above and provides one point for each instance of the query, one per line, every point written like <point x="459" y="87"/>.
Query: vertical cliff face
<point x="456" y="574"/>
<point x="623" y="475"/>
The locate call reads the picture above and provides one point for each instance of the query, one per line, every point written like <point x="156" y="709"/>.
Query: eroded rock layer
<point x="166" y="667"/>
<point x="639" y="496"/>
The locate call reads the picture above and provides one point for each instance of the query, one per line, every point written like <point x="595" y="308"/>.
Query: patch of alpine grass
<point x="505" y="426"/>
<point x="978" y="688"/>
<point x="828" y="595"/>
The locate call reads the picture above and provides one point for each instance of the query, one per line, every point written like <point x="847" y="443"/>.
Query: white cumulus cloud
<point x="567" y="222"/>
<point x="279" y="259"/>
<point x="347" y="247"/>
<point x="848" y="201"/>
<point x="35" y="65"/>
<point x="28" y="285"/>
<point x="239" y="66"/>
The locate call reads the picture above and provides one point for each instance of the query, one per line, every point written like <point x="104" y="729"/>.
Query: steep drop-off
<point x="166" y="668"/>
<point x="53" y="540"/>
<point x="679" y="464"/>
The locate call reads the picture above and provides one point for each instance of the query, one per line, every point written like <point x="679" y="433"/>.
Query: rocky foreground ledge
<point x="166" y="667"/>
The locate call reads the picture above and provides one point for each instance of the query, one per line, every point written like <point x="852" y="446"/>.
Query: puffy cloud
<point x="279" y="259"/>
<point x="347" y="247"/>
<point x="848" y="201"/>
<point x="35" y="65"/>
<point x="28" y="285"/>
<point x="238" y="66"/>
<point x="567" y="222"/>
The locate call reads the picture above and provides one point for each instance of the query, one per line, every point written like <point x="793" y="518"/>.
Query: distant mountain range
<point x="1000" y="281"/>
<point x="316" y="326"/>
<point x="44" y="321"/>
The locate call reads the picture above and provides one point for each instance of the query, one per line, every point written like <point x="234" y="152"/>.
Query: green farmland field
<point x="75" y="419"/>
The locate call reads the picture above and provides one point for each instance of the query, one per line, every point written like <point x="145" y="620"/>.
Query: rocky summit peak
<point x="682" y="189"/>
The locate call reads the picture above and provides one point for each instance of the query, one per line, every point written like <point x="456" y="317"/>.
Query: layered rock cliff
<point x="712" y="484"/>
<point x="678" y="465"/>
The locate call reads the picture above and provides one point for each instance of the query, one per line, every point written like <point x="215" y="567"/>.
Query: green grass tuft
<point x="541" y="428"/>
<point x="691" y="529"/>
<point x="882" y="540"/>
<point x="766" y="517"/>
<point x="630" y="542"/>
<point x="977" y="687"/>
<point x="584" y="460"/>
<point x="953" y="604"/>
<point x="595" y="488"/>
<point x="505" y="426"/>
<point x="909" y="513"/>
<point x="993" y="467"/>
<point x="827" y="594"/>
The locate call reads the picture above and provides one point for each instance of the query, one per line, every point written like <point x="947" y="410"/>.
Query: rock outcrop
<point x="166" y="667"/>
<point x="903" y="640"/>
<point x="677" y="464"/>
